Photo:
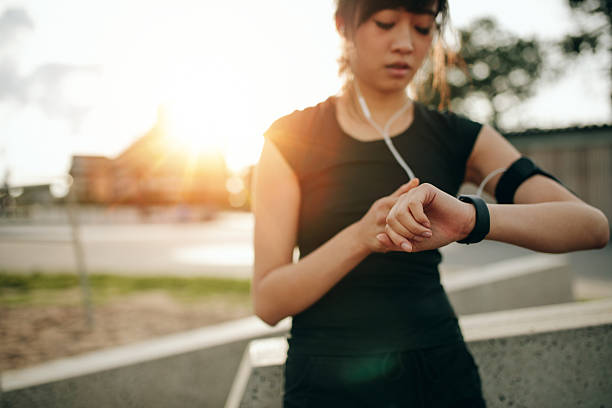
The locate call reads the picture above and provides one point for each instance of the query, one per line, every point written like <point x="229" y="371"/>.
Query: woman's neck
<point x="382" y="105"/>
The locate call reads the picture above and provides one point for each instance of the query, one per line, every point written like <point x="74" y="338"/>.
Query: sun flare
<point x="205" y="117"/>
<point x="189" y="129"/>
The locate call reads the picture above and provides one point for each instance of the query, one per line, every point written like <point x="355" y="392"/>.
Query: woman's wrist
<point x="470" y="220"/>
<point x="356" y="236"/>
<point x="482" y="220"/>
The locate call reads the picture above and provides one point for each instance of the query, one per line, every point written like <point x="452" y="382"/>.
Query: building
<point x="92" y="179"/>
<point x="152" y="171"/>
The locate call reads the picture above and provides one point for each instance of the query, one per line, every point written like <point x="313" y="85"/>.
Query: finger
<point x="402" y="220"/>
<point x="416" y="209"/>
<point x="404" y="188"/>
<point x="387" y="203"/>
<point x="398" y="240"/>
<point x="408" y="227"/>
<point x="408" y="237"/>
<point x="414" y="204"/>
<point x="385" y="240"/>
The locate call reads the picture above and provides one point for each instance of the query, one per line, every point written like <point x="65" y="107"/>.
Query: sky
<point x="87" y="77"/>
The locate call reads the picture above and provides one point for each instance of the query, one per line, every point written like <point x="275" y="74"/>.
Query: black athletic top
<point x="390" y="301"/>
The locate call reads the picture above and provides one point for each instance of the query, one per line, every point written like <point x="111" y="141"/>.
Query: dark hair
<point x="356" y="12"/>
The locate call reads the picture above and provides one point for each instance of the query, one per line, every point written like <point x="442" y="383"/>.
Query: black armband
<point x="514" y="176"/>
<point x="483" y="221"/>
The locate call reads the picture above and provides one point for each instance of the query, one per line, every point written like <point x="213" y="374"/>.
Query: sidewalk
<point x="224" y="247"/>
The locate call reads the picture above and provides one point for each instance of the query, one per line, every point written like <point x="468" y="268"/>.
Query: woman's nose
<point x="403" y="42"/>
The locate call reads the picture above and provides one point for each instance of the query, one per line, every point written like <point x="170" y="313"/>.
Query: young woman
<point x="364" y="184"/>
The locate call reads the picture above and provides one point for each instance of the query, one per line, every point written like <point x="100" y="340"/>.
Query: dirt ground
<point x="30" y="335"/>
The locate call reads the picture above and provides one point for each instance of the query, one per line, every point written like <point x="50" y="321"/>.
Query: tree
<point x="493" y="71"/>
<point x="594" y="34"/>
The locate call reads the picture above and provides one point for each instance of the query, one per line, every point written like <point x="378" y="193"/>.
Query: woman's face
<point x="389" y="48"/>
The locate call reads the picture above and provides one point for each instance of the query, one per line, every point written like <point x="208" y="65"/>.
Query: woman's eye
<point x="423" y="30"/>
<point x="385" y="26"/>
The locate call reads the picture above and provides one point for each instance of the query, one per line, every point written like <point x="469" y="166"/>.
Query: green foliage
<point x="577" y="44"/>
<point x="593" y="6"/>
<point x="37" y="280"/>
<point x="590" y="13"/>
<point x="495" y="68"/>
<point x="588" y="38"/>
<point x="24" y="288"/>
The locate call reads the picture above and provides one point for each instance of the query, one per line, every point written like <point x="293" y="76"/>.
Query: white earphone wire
<point x="486" y="180"/>
<point x="385" y="131"/>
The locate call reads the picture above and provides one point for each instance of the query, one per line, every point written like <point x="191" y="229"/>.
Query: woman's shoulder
<point x="295" y="134"/>
<point x="300" y="121"/>
<point x="445" y="115"/>
<point x="447" y="120"/>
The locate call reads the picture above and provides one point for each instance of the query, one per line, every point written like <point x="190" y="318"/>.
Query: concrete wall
<point x="549" y="356"/>
<point x="522" y="282"/>
<point x="197" y="368"/>
<point x="177" y="381"/>
<point x="191" y="369"/>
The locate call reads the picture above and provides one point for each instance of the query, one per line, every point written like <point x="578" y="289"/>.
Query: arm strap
<point x="514" y="176"/>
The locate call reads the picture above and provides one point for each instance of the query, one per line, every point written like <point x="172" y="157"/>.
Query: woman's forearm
<point x="553" y="227"/>
<point x="289" y="289"/>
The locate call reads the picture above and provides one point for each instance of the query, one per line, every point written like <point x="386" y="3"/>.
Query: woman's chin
<point x="394" y="86"/>
<point x="390" y="84"/>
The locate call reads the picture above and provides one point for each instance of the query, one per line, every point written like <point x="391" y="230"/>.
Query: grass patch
<point x="38" y="288"/>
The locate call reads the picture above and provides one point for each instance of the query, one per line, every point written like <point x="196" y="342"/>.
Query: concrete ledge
<point x="193" y="368"/>
<point x="542" y="319"/>
<point x="554" y="356"/>
<point x="536" y="357"/>
<point x="203" y="362"/>
<point x="262" y="364"/>
<point x="522" y="282"/>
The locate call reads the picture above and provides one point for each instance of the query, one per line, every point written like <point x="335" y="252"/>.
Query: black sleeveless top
<point x="390" y="301"/>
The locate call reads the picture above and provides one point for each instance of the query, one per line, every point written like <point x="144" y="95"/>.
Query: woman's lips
<point x="398" y="70"/>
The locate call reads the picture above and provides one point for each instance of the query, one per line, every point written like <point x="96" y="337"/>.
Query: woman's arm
<point x="546" y="216"/>
<point x="554" y="227"/>
<point x="281" y="288"/>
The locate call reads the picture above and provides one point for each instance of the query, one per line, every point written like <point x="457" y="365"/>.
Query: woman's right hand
<point x="374" y="221"/>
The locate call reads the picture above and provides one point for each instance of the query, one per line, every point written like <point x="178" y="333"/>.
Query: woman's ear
<point x="340" y="26"/>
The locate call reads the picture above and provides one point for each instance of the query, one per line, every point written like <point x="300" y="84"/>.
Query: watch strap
<point x="483" y="221"/>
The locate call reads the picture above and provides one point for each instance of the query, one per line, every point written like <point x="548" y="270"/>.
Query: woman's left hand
<point x="448" y="219"/>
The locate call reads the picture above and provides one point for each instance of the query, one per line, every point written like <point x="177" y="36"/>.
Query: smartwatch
<point x="483" y="222"/>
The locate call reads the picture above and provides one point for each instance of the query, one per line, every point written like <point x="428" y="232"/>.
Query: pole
<point x="79" y="256"/>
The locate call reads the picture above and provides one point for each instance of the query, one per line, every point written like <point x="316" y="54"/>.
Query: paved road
<point x="220" y="247"/>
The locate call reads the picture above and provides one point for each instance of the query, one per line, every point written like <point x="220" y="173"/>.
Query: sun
<point x="189" y="128"/>
<point x="208" y="116"/>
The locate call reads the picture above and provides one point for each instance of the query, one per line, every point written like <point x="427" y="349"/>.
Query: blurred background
<point x="129" y="131"/>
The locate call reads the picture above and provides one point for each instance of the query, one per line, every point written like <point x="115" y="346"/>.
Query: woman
<point x="372" y="325"/>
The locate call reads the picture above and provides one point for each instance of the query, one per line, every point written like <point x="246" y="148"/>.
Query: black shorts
<point x="444" y="376"/>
